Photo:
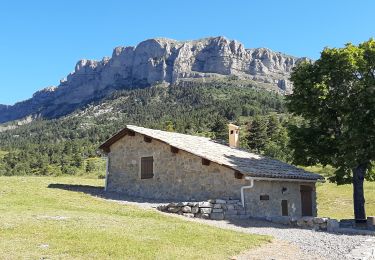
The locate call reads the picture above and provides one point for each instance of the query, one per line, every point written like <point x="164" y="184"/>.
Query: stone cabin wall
<point x="182" y="177"/>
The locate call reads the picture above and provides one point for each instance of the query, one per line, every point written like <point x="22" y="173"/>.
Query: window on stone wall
<point x="264" y="197"/>
<point x="147" y="167"/>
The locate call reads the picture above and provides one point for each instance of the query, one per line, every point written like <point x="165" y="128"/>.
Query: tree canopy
<point x="335" y="96"/>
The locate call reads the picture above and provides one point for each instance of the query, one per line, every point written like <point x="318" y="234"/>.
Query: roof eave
<point x="105" y="147"/>
<point x="288" y="179"/>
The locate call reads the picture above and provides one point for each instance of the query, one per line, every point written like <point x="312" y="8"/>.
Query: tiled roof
<point x="245" y="162"/>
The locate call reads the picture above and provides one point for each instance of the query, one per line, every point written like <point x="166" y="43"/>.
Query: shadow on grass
<point x="98" y="191"/>
<point x="88" y="189"/>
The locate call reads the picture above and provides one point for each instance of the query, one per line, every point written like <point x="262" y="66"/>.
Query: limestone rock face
<point x="44" y="93"/>
<point x="153" y="61"/>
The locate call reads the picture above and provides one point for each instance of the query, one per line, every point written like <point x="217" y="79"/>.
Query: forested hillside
<point x="63" y="145"/>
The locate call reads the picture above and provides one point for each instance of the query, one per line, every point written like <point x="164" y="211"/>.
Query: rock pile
<point x="218" y="209"/>
<point x="307" y="222"/>
<point x="221" y="209"/>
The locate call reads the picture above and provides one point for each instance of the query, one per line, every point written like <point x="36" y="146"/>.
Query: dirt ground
<point x="277" y="250"/>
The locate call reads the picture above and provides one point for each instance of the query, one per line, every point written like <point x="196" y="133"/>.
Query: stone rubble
<point x="218" y="209"/>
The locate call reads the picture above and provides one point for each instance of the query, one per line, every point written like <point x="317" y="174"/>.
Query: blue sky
<point x="40" y="41"/>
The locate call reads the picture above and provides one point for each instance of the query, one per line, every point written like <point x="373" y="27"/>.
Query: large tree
<point x="336" y="97"/>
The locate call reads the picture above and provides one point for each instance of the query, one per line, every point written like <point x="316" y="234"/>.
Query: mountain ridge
<point x="154" y="61"/>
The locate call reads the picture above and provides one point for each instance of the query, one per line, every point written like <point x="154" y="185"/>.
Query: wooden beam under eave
<point x="130" y="133"/>
<point x="106" y="149"/>
<point x="205" y="162"/>
<point x="174" y="149"/>
<point x="147" y="139"/>
<point x="238" y="175"/>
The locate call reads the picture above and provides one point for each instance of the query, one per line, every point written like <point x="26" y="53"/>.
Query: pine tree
<point x="90" y="166"/>
<point x="257" y="137"/>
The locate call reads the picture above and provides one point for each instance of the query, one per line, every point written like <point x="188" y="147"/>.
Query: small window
<point x="264" y="197"/>
<point x="231" y="132"/>
<point x="147" y="167"/>
<point x="284" y="207"/>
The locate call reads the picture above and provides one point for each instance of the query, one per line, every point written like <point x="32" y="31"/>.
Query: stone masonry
<point x="182" y="177"/>
<point x="218" y="209"/>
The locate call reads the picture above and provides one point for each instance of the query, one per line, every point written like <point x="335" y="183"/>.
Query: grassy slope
<point x="336" y="201"/>
<point x="95" y="228"/>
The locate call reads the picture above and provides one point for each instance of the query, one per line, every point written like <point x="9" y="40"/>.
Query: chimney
<point x="234" y="133"/>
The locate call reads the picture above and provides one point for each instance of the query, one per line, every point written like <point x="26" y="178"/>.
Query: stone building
<point x="157" y="164"/>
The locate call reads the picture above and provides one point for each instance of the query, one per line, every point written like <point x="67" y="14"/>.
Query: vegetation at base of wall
<point x="65" y="146"/>
<point x="72" y="224"/>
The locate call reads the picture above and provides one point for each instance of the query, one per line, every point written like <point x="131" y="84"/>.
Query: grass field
<point x="38" y="222"/>
<point x="337" y="201"/>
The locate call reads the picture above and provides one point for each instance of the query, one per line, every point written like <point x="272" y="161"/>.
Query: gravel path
<point x="277" y="249"/>
<point x="312" y="244"/>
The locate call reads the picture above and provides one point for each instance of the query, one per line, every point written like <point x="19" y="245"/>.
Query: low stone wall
<point x="221" y="209"/>
<point x="307" y="222"/>
<point x="327" y="224"/>
<point x="218" y="209"/>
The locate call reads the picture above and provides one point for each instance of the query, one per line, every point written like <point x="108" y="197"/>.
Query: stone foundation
<point x="221" y="209"/>
<point x="305" y="222"/>
<point x="327" y="224"/>
<point x="218" y="209"/>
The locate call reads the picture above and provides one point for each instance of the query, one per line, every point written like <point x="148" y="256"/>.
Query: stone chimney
<point x="234" y="134"/>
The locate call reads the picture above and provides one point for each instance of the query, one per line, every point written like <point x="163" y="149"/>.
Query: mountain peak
<point x="154" y="61"/>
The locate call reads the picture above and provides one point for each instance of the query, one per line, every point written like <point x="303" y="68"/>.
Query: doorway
<point x="306" y="200"/>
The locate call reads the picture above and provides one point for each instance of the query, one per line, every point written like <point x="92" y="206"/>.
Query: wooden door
<point x="284" y="208"/>
<point x="306" y="200"/>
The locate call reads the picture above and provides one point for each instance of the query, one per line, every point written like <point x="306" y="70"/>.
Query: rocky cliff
<point x="153" y="61"/>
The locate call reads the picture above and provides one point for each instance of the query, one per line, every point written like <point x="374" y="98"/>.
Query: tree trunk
<point x="358" y="193"/>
